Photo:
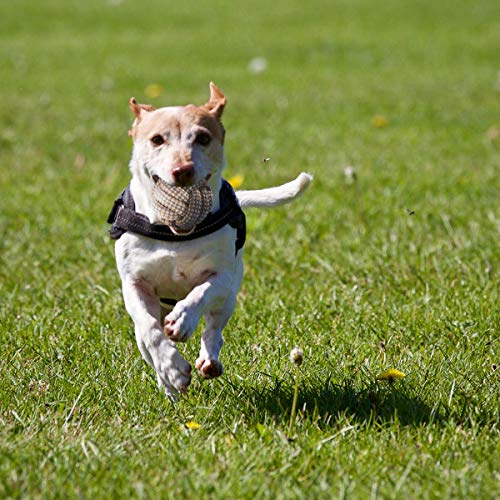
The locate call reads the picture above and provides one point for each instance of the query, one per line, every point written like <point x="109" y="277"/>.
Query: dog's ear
<point x="217" y="101"/>
<point x="137" y="109"/>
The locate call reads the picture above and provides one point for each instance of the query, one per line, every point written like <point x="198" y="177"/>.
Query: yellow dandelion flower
<point x="192" y="425"/>
<point x="391" y="375"/>
<point x="154" y="90"/>
<point x="380" y="121"/>
<point x="236" y="181"/>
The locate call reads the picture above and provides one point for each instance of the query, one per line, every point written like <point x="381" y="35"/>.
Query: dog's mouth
<point x="182" y="208"/>
<point x="157" y="178"/>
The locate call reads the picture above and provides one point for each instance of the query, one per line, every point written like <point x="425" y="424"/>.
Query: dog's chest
<point x="174" y="269"/>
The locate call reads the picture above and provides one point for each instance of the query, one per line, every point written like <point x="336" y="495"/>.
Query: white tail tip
<point x="274" y="196"/>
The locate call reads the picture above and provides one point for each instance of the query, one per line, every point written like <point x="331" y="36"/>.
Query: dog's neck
<point x="141" y="187"/>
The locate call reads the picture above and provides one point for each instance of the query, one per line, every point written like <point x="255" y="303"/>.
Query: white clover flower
<point x="349" y="174"/>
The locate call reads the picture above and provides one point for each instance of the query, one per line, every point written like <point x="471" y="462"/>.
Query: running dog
<point x="173" y="273"/>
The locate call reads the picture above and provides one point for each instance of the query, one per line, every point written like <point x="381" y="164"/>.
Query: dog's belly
<point x="172" y="270"/>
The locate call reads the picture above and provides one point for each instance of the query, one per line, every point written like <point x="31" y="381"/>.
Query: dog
<point x="171" y="277"/>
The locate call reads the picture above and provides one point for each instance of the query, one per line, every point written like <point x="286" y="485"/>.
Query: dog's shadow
<point x="325" y="403"/>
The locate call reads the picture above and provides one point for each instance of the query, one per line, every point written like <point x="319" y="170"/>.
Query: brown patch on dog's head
<point x="149" y="120"/>
<point x="203" y="117"/>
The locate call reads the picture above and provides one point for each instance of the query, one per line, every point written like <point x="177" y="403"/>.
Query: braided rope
<point x="182" y="208"/>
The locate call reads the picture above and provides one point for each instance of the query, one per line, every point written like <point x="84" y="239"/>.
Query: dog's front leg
<point x="173" y="371"/>
<point x="208" y="364"/>
<point x="181" y="322"/>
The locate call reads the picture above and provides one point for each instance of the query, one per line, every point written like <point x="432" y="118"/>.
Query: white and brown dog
<point x="170" y="283"/>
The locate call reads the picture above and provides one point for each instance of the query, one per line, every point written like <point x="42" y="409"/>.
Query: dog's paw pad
<point x="209" y="368"/>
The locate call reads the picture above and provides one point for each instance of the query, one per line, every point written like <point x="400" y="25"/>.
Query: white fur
<point x="203" y="275"/>
<point x="274" y="196"/>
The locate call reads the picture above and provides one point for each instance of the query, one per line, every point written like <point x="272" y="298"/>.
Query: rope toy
<point x="181" y="208"/>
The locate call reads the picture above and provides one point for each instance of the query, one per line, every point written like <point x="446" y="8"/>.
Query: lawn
<point x="391" y="263"/>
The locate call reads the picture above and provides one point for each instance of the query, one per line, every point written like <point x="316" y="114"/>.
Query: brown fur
<point x="150" y="121"/>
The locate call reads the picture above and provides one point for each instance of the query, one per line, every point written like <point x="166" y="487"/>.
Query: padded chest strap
<point x="123" y="218"/>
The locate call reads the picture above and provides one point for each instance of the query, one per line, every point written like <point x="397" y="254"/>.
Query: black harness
<point x="123" y="218"/>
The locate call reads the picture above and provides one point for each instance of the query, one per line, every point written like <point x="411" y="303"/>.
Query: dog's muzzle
<point x="182" y="208"/>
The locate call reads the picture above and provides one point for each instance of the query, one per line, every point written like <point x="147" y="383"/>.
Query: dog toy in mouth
<point x="181" y="208"/>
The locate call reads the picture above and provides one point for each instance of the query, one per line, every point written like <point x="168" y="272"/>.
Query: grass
<point x="398" y="268"/>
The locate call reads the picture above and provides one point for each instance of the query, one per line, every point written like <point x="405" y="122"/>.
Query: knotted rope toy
<point x="182" y="208"/>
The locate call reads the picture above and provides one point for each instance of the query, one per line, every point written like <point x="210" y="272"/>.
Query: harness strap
<point x="168" y="302"/>
<point x="123" y="218"/>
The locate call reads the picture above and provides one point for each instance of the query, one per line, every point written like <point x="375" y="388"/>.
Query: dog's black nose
<point x="183" y="174"/>
<point x="155" y="178"/>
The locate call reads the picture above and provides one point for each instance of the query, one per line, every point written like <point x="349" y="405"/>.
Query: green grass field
<point x="397" y="267"/>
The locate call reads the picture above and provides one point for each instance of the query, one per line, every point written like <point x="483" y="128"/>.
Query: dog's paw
<point x="209" y="368"/>
<point x="180" y="324"/>
<point x="165" y="386"/>
<point x="173" y="371"/>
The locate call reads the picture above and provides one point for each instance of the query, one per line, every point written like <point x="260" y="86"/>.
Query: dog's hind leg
<point x="208" y="364"/>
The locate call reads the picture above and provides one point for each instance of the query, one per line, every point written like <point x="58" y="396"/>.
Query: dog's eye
<point x="203" y="139"/>
<point x="157" y="140"/>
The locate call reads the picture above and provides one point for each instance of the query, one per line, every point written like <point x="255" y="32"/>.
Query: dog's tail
<point x="274" y="196"/>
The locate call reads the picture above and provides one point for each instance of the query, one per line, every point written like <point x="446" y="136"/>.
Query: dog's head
<point x="182" y="145"/>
